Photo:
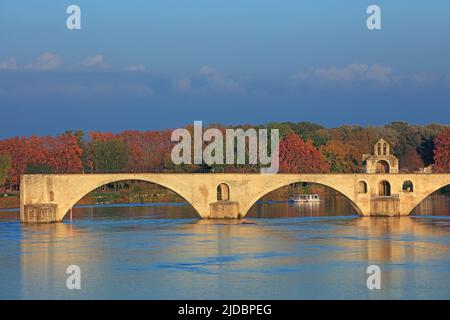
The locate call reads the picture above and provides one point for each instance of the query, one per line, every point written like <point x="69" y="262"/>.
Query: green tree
<point x="38" y="168"/>
<point x="109" y="156"/>
<point x="409" y="137"/>
<point x="5" y="166"/>
<point x="285" y="128"/>
<point x="311" y="131"/>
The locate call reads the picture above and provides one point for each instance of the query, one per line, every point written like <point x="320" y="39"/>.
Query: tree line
<point x="304" y="147"/>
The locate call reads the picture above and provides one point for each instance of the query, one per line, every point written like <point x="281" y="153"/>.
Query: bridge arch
<point x="276" y="186"/>
<point x="426" y="195"/>
<point x="81" y="193"/>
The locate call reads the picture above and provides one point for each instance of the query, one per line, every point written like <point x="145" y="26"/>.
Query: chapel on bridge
<point x="382" y="161"/>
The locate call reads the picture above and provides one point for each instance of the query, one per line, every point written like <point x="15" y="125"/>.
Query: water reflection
<point x="331" y="206"/>
<point x="166" y="253"/>
<point x="323" y="257"/>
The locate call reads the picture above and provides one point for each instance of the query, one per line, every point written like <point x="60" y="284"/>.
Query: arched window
<point x="384" y="188"/>
<point x="382" y="167"/>
<point x="379" y="149"/>
<point x="362" y="187"/>
<point x="52" y="196"/>
<point x="384" y="149"/>
<point x="223" y="192"/>
<point x="408" y="186"/>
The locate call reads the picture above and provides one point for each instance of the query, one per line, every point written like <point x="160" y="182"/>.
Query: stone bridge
<point x="49" y="197"/>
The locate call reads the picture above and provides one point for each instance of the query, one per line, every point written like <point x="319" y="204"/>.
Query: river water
<point x="280" y="251"/>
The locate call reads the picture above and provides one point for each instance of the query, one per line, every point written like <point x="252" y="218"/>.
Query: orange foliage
<point x="442" y="151"/>
<point x="297" y="155"/>
<point x="61" y="154"/>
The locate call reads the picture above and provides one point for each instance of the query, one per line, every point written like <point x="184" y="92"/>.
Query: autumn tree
<point x="147" y="150"/>
<point x="342" y="157"/>
<point x="411" y="161"/>
<point x="297" y="155"/>
<point x="426" y="148"/>
<point x="442" y="151"/>
<point x="66" y="153"/>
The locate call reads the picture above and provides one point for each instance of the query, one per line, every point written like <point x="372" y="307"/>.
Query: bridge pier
<point x="385" y="206"/>
<point x="39" y="213"/>
<point x="224" y="210"/>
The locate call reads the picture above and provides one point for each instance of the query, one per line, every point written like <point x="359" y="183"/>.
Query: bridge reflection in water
<point x="130" y="254"/>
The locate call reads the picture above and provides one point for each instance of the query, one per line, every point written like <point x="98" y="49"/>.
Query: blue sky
<point x="157" y="64"/>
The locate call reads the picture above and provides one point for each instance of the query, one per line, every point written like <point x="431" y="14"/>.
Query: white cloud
<point x="9" y="64"/>
<point x="209" y="80"/>
<point x="46" y="61"/>
<point x="349" y="73"/>
<point x="219" y="81"/>
<point x="182" y="84"/>
<point x="97" y="61"/>
<point x="136" y="67"/>
<point x="425" y="78"/>
<point x="379" y="72"/>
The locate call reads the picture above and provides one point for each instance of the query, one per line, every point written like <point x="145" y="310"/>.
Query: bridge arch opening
<point x="435" y="204"/>
<point x="362" y="187"/>
<point x="132" y="198"/>
<point x="275" y="203"/>
<point x="223" y="192"/>
<point x="384" y="188"/>
<point x="408" y="186"/>
<point x="382" y="166"/>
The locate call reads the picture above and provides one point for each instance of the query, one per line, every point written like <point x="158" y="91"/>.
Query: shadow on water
<point x="135" y="211"/>
<point x="434" y="205"/>
<point x="330" y="206"/>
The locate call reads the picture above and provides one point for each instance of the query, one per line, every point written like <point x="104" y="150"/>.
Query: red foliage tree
<point x="101" y="136"/>
<point x="147" y="149"/>
<point x="442" y="151"/>
<point x="297" y="155"/>
<point x="66" y="154"/>
<point x="60" y="154"/>
<point x="411" y="161"/>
